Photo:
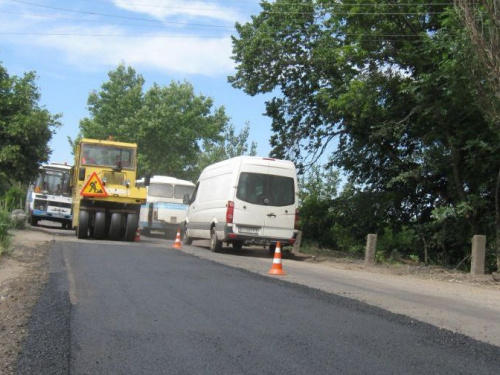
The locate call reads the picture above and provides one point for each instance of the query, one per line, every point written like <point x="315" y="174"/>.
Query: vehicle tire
<point x="33" y="221"/>
<point x="82" y="230"/>
<point x="100" y="225"/>
<point x="185" y="238"/>
<point x="237" y="245"/>
<point x="131" y="227"/>
<point x="215" y="243"/>
<point x="115" y="226"/>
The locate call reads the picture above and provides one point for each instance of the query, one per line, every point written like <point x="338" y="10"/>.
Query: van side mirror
<point x="81" y="174"/>
<point x="185" y="199"/>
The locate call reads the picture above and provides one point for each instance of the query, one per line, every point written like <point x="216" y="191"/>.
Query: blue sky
<point x="72" y="45"/>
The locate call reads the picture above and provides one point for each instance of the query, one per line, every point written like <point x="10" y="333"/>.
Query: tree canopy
<point x="26" y="128"/>
<point x="177" y="132"/>
<point x="389" y="85"/>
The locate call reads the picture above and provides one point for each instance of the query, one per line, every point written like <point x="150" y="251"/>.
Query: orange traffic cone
<point x="276" y="268"/>
<point x="137" y="235"/>
<point x="177" y="244"/>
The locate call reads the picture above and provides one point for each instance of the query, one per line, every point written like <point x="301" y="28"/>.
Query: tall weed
<point x="5" y="238"/>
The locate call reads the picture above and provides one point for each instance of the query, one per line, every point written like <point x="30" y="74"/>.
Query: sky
<point x="73" y="45"/>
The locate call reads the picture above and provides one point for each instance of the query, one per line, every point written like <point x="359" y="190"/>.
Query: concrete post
<point x="371" y="247"/>
<point x="298" y="240"/>
<point x="478" y="255"/>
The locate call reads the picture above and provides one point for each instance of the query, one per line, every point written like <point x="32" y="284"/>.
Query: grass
<point x="5" y="237"/>
<point x="6" y="225"/>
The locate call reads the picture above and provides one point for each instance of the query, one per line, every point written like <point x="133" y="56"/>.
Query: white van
<point x="164" y="209"/>
<point x="246" y="200"/>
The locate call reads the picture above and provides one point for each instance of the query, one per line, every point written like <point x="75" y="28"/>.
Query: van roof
<point x="251" y="160"/>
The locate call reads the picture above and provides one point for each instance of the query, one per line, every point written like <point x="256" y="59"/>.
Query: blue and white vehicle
<point x="49" y="196"/>
<point x="164" y="209"/>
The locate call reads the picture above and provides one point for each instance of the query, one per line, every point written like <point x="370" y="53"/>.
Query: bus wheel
<point x="83" y="225"/>
<point x="100" y="225"/>
<point x="33" y="221"/>
<point x="115" y="226"/>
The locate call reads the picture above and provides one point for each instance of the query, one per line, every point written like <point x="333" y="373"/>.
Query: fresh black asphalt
<point x="154" y="310"/>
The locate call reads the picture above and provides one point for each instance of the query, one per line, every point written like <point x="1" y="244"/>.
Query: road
<point x="145" y="308"/>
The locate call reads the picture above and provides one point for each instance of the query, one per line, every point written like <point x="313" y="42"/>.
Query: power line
<point x="113" y="15"/>
<point x="266" y="12"/>
<point x="117" y="35"/>
<point x="57" y="17"/>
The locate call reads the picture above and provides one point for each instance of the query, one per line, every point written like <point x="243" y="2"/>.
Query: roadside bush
<point x="5" y="239"/>
<point x="14" y="198"/>
<point x="394" y="246"/>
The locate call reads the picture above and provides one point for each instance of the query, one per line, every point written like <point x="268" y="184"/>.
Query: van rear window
<point x="266" y="189"/>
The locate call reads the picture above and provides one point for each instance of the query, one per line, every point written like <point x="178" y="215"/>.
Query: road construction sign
<point x="94" y="187"/>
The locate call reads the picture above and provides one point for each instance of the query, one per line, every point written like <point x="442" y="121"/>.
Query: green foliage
<point x="14" y="198"/>
<point x="173" y="123"/>
<point x="390" y="84"/>
<point x="177" y="131"/>
<point x="229" y="146"/>
<point x="114" y="109"/>
<point x="5" y="237"/>
<point x="25" y="127"/>
<point x="318" y="190"/>
<point x="396" y="245"/>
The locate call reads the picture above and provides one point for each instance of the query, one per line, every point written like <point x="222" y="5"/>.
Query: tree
<point x="482" y="22"/>
<point x="169" y="123"/>
<point x="387" y="81"/>
<point x="229" y="146"/>
<point x="25" y="128"/>
<point x="173" y="124"/>
<point x="113" y="110"/>
<point x="318" y="191"/>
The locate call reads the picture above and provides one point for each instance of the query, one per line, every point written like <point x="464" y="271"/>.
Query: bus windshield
<point x="169" y="190"/>
<point x="53" y="182"/>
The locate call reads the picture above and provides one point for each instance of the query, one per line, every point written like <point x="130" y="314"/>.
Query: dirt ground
<point x="24" y="273"/>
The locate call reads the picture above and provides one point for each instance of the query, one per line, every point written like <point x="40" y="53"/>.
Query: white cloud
<point x="208" y="57"/>
<point x="81" y="42"/>
<point x="162" y="9"/>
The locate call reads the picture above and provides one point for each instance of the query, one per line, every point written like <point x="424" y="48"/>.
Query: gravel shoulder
<point x="25" y="272"/>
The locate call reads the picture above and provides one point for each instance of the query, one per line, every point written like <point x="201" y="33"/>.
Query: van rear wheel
<point x="185" y="238"/>
<point x="215" y="243"/>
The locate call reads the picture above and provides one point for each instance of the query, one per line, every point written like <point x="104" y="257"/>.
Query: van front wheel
<point x="215" y="244"/>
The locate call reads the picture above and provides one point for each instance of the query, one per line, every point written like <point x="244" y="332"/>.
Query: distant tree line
<point x="178" y="132"/>
<point x="407" y="96"/>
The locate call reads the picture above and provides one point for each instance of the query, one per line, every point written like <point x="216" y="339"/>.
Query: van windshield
<point x="266" y="189"/>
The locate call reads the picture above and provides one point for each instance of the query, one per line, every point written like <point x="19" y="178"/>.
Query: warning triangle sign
<point x="94" y="187"/>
